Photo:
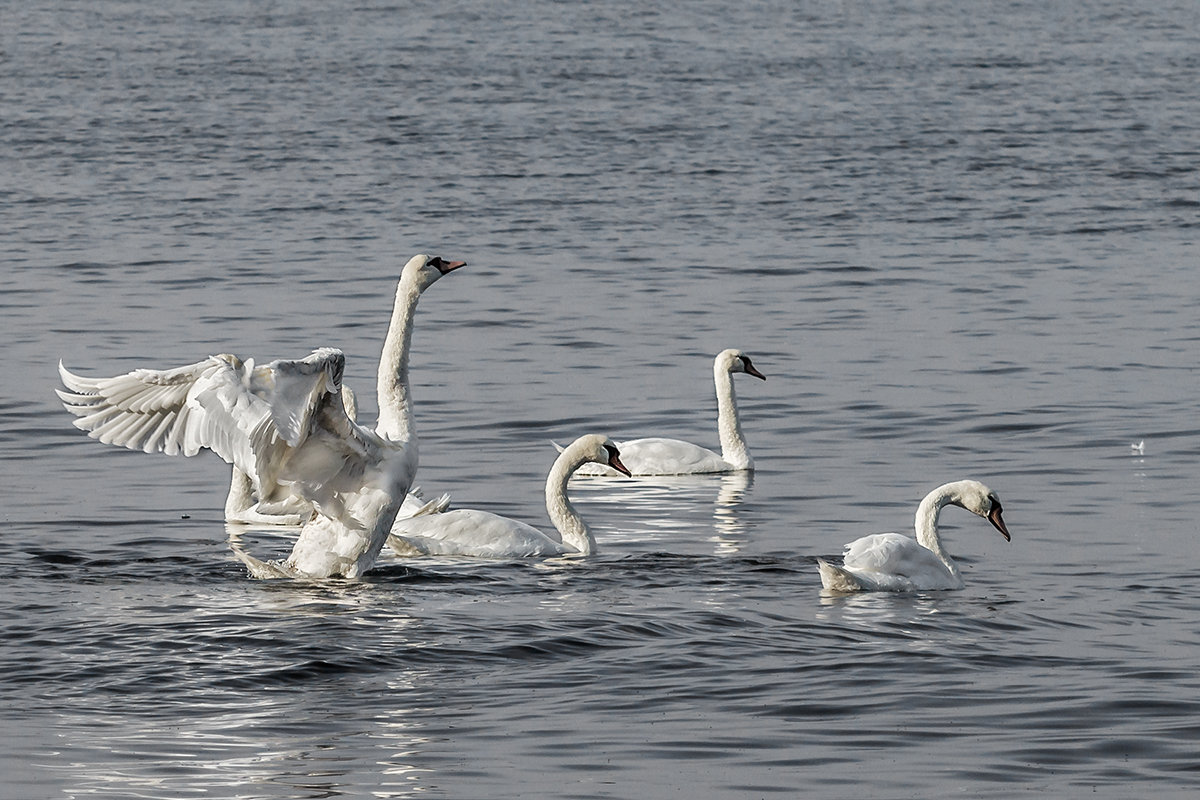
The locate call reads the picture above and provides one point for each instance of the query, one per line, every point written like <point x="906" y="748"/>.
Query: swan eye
<point x="995" y="502"/>
<point x="612" y="451"/>
<point x="436" y="261"/>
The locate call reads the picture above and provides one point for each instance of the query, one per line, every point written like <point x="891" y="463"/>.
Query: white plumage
<point x="285" y="426"/>
<point x="470" y="532"/>
<point x="280" y="506"/>
<point x="891" y="562"/>
<point x="659" y="456"/>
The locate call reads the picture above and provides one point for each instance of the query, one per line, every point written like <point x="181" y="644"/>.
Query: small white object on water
<point x="1138" y="448"/>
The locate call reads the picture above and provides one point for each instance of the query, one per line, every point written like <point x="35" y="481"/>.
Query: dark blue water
<point x="960" y="240"/>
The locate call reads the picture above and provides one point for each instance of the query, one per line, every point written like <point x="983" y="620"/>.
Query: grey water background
<point x="959" y="238"/>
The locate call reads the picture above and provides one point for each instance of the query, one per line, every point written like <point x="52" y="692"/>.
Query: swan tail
<point x="557" y="446"/>
<point x="837" y="579"/>
<point x="435" y="506"/>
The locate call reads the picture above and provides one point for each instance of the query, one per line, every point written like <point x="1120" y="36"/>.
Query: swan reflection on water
<point x="252" y="741"/>
<point x="673" y="511"/>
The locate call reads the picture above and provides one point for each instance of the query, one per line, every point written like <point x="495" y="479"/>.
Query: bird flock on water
<point x="300" y="458"/>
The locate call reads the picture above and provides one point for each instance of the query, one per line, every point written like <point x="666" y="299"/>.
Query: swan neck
<point x="928" y="513"/>
<point x="729" y="425"/>
<point x="395" y="401"/>
<point x="570" y="525"/>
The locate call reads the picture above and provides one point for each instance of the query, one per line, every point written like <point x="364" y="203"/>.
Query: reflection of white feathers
<point x="470" y="532"/>
<point x="658" y="456"/>
<point x="1138" y="448"/>
<point x="891" y="562"/>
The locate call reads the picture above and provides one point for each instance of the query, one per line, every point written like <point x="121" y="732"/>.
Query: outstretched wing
<point x="148" y="409"/>
<point x="249" y="416"/>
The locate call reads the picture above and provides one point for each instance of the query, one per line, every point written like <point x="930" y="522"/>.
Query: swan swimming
<point x="282" y="507"/>
<point x="891" y="562"/>
<point x="283" y="424"/>
<point x="658" y="456"/>
<point x="470" y="532"/>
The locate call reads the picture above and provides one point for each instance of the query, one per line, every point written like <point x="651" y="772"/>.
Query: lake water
<point x="960" y="239"/>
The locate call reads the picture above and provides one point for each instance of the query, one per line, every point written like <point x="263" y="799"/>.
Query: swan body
<point x="282" y="424"/>
<point x="659" y="456"/>
<point x="288" y="509"/>
<point x="471" y="532"/>
<point x="891" y="562"/>
<point x="281" y="507"/>
<point x="285" y="426"/>
<point x="292" y="510"/>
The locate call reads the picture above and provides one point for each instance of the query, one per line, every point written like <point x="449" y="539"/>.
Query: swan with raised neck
<point x="471" y="532"/>
<point x="396" y="423"/>
<point x="394" y="395"/>
<point x="897" y="563"/>
<point x="661" y="456"/>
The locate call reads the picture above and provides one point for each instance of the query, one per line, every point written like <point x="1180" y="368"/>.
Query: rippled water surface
<point x="959" y="239"/>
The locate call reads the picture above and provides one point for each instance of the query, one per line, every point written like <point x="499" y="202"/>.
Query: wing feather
<point x="248" y="416"/>
<point x="283" y="423"/>
<point x="891" y="554"/>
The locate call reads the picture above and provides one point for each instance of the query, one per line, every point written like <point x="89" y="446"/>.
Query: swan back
<point x="470" y="532"/>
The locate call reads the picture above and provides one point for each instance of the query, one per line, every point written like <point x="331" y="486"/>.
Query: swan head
<point x="599" y="449"/>
<point x="733" y="360"/>
<point x="979" y="499"/>
<point x="424" y="269"/>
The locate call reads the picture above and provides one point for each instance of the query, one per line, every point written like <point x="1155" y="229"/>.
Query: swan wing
<point x="256" y="418"/>
<point x="296" y="391"/>
<point x="892" y="561"/>
<point x="471" y="532"/>
<point x="157" y="411"/>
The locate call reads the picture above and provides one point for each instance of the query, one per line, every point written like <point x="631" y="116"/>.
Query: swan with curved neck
<point x="470" y="532"/>
<point x="278" y="505"/>
<point x="659" y="456"/>
<point x="283" y="424"/>
<point x="890" y="562"/>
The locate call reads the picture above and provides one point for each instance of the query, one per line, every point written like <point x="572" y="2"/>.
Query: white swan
<point x="657" y="456"/>
<point x="284" y="425"/>
<point x="282" y="507"/>
<point x="891" y="562"/>
<point x="470" y="532"/>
